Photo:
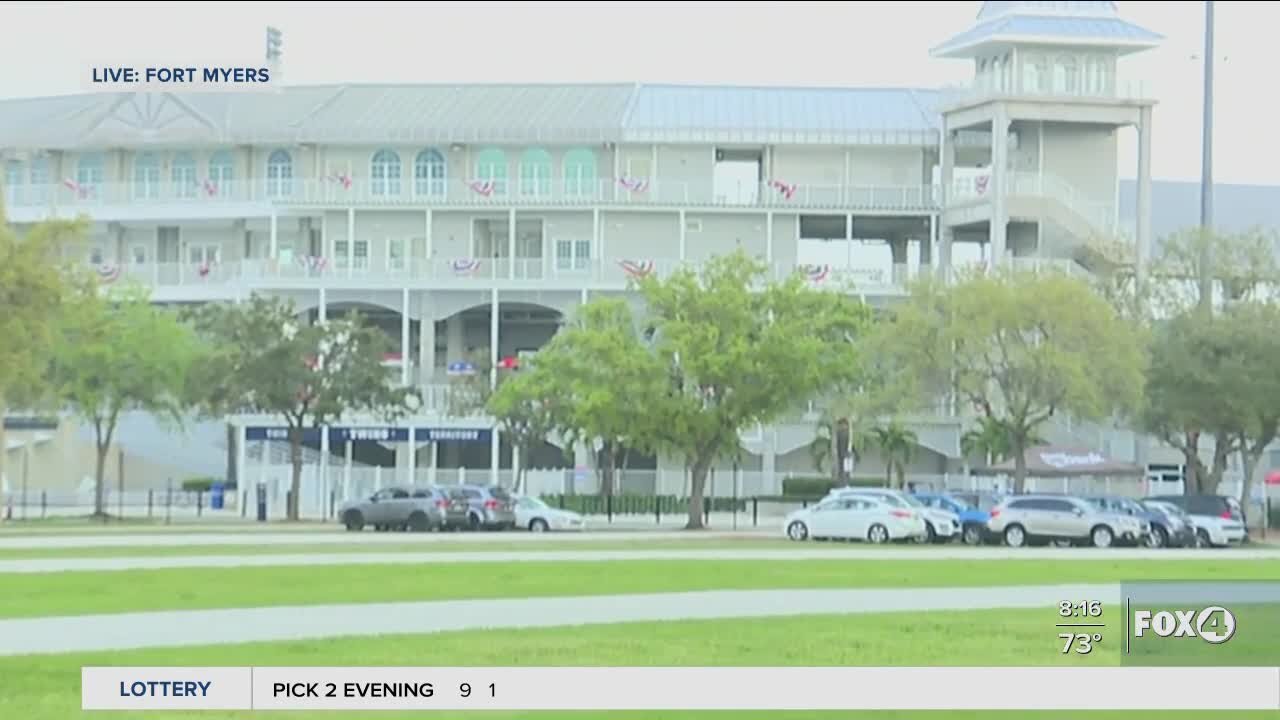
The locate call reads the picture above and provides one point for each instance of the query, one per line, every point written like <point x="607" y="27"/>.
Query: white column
<point x="322" y="482"/>
<point x="413" y="451"/>
<point x="351" y="239"/>
<point x="324" y="237"/>
<point x="377" y="478"/>
<point x="241" y="480"/>
<point x="348" y="450"/>
<point x="454" y="338"/>
<point x="946" y="161"/>
<point x="511" y="244"/>
<point x="768" y="239"/>
<point x="584" y="296"/>
<point x="426" y="345"/>
<point x="515" y="465"/>
<point x="617" y="171"/>
<point x="434" y="460"/>
<point x="848" y="240"/>
<point x="597" y="239"/>
<point x="324" y="307"/>
<point x="262" y="474"/>
<point x="845" y="191"/>
<point x="682" y="236"/>
<point x="998" y="185"/>
<point x="930" y="251"/>
<point x="275" y="237"/>
<point x="404" y="337"/>
<point x="431" y="245"/>
<point x="1144" y="192"/>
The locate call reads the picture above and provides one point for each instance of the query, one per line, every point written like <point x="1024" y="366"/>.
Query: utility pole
<point x="1206" y="168"/>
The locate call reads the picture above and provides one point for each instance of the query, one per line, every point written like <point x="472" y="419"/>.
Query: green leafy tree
<point x="522" y="406"/>
<point x="1198" y="276"/>
<point x="737" y="350"/>
<point x="897" y="446"/>
<point x="991" y="441"/>
<point x="263" y="359"/>
<point x="1021" y="347"/>
<point x="116" y="352"/>
<point x="1253" y="378"/>
<point x="33" y="287"/>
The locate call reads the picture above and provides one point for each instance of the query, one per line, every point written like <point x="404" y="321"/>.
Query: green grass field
<point x="46" y="687"/>
<point x="79" y="593"/>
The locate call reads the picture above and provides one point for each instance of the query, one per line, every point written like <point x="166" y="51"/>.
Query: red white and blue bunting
<point x="786" y="190"/>
<point x="634" y="185"/>
<point x="313" y="264"/>
<point x="483" y="188"/>
<point x="637" y="268"/>
<point x="465" y="266"/>
<point x="816" y="274"/>
<point x="108" y="272"/>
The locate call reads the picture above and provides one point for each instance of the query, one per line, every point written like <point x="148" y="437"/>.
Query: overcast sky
<point x="48" y="49"/>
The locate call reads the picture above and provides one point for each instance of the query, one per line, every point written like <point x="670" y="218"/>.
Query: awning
<point x="1056" y="461"/>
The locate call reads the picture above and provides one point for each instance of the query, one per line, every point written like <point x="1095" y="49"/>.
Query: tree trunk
<point x="902" y="475"/>
<point x="606" y="469"/>
<point x="840" y="442"/>
<point x="888" y="473"/>
<point x="698" y="484"/>
<point x="1249" y="459"/>
<point x="1019" y="467"/>
<point x="1191" y="464"/>
<point x="295" y="460"/>
<point x="1221" y="451"/>
<point x="102" y="441"/>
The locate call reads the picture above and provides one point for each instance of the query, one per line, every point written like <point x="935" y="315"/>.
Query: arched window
<point x="221" y="173"/>
<point x="429" y="174"/>
<point x="1033" y="75"/>
<point x="146" y="176"/>
<point x="279" y="174"/>
<point x="535" y="173"/>
<point x="491" y="166"/>
<point x="89" y="174"/>
<point x="1066" y="76"/>
<point x="580" y="172"/>
<point x="183" y="173"/>
<point x="384" y="173"/>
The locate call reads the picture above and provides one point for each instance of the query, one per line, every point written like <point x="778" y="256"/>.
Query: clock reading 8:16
<point x="1089" y="608"/>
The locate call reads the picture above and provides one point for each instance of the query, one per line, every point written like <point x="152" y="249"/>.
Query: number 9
<point x="465" y="689"/>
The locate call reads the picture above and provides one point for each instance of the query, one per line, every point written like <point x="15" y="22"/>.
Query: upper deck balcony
<point x="260" y="197"/>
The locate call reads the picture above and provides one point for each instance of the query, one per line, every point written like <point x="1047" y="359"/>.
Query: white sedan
<point x="537" y="516"/>
<point x="855" y="518"/>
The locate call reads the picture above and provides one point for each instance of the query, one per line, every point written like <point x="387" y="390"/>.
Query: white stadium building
<point x="465" y="218"/>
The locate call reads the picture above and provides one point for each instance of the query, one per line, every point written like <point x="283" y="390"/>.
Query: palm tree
<point x="830" y="457"/>
<point x="897" y="445"/>
<point x="991" y="440"/>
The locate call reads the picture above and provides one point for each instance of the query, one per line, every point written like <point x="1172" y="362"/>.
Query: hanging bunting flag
<point x="81" y="191"/>
<point x="205" y="268"/>
<point x="465" y="266"/>
<point x="342" y="179"/>
<point x="482" y="187"/>
<point x="312" y="263"/>
<point x="980" y="183"/>
<point x="816" y="274"/>
<point x="108" y="272"/>
<point x="210" y="187"/>
<point x="784" y="189"/>
<point x="637" y="268"/>
<point x="635" y="185"/>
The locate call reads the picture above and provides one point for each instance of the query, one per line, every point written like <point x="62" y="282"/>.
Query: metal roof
<point x="1059" y="23"/>
<point x="558" y="114"/>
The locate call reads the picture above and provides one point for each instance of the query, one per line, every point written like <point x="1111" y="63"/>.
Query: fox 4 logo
<point x="1214" y="624"/>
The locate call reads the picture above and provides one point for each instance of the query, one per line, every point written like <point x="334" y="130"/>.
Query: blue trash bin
<point x="216" y="496"/>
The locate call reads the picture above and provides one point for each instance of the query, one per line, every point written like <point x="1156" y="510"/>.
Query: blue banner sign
<point x="386" y="434"/>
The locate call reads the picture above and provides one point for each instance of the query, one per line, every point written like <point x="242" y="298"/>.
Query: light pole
<point x="1206" y="167"/>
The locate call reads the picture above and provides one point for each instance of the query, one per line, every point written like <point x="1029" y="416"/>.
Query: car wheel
<point x="538" y="525"/>
<point x="930" y="535"/>
<point x="1157" y="538"/>
<point x="878" y="534"/>
<point x="1102" y="536"/>
<point x="798" y="531"/>
<point x="972" y="535"/>
<point x="418" y="522"/>
<point x="354" y="520"/>
<point x="1015" y="536"/>
<point x="1202" y="538"/>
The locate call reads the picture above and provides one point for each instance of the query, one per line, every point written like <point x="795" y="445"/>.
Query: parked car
<point x="1128" y="506"/>
<point x="1174" y="522"/>
<point x="477" y="507"/>
<point x="855" y="517"/>
<point x="537" y="516"/>
<point x="941" y="525"/>
<point x="1023" y="519"/>
<point x="1219" y="519"/>
<point x="973" y="521"/>
<point x="398" y="508"/>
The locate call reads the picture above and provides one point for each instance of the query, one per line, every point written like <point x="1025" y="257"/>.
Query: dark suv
<point x="1219" y="519"/>
<point x="477" y="507"/>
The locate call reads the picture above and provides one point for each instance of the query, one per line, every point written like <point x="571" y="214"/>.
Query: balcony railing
<point x="990" y="89"/>
<point x="463" y="273"/>
<point x="342" y="191"/>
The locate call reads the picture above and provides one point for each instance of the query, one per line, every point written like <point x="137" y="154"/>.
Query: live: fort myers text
<point x="182" y="75"/>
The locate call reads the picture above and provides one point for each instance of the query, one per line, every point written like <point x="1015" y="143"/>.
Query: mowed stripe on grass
<point x="46" y="687"/>
<point x="81" y="593"/>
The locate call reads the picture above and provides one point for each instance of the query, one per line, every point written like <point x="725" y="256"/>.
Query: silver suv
<point x="397" y="508"/>
<point x="1022" y="519"/>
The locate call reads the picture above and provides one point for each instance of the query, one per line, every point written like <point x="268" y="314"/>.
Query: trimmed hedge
<point x="637" y="504"/>
<point x="819" y="486"/>
<point x="206" y="484"/>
